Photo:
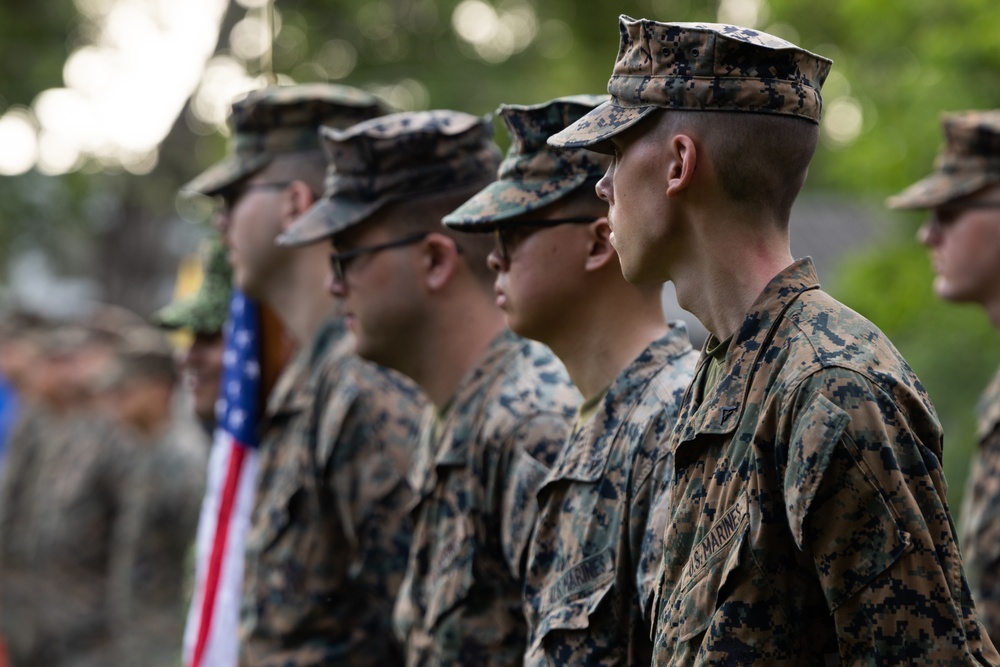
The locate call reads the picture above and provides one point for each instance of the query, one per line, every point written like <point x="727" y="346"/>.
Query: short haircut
<point x="761" y="160"/>
<point x="424" y="214"/>
<point x="308" y="166"/>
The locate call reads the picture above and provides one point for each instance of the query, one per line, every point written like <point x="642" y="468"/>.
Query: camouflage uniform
<point x="597" y="542"/>
<point x="808" y="521"/>
<point x="808" y="483"/>
<point x="980" y="526"/>
<point x="969" y="162"/>
<point x="71" y="514"/>
<point x="329" y="532"/>
<point x="475" y="476"/>
<point x="163" y="493"/>
<point x="596" y="546"/>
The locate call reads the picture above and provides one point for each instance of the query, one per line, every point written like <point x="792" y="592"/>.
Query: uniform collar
<point x="720" y="410"/>
<point x="989" y="409"/>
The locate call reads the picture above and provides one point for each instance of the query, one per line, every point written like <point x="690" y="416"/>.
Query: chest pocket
<point x="568" y="603"/>
<point x="450" y="575"/>
<point x="714" y="559"/>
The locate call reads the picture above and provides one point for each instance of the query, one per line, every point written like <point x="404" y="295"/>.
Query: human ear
<point x="683" y="158"/>
<point x="299" y="199"/>
<point x="601" y="251"/>
<point x="439" y="261"/>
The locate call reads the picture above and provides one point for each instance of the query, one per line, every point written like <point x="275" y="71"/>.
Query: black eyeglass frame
<point x="340" y="260"/>
<point x="503" y="246"/>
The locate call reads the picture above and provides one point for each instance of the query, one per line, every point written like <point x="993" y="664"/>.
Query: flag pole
<point x="267" y="57"/>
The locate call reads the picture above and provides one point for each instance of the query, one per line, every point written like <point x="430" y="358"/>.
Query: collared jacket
<point x="809" y="524"/>
<point x="980" y="527"/>
<point x="475" y="476"/>
<point x="593" y="558"/>
<point x="329" y="532"/>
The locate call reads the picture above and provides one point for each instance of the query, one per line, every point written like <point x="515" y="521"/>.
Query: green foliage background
<point x="904" y="61"/>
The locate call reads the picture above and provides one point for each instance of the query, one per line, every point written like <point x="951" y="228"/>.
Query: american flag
<point x="212" y="632"/>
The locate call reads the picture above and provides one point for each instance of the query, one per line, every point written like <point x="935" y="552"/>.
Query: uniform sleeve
<point x="865" y="501"/>
<point x="528" y="455"/>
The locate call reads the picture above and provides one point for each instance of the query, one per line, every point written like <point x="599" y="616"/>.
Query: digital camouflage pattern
<point x="329" y="532"/>
<point x="206" y="310"/>
<point x="475" y="482"/>
<point x="808" y="520"/>
<point x="980" y="528"/>
<point x="56" y="567"/>
<point x="593" y="559"/>
<point x="396" y="158"/>
<point x="700" y="67"/>
<point x="533" y="174"/>
<point x="969" y="161"/>
<point x="282" y="119"/>
<point x="163" y="494"/>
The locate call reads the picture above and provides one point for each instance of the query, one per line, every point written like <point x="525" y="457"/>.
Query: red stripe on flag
<point x="237" y="454"/>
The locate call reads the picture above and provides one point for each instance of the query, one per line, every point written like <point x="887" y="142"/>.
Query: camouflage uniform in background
<point x="329" y="532"/>
<point x="163" y="493"/>
<point x="968" y="162"/>
<point x="593" y="557"/>
<point x="808" y="522"/>
<point x="980" y="527"/>
<point x="476" y="472"/>
<point x="74" y="507"/>
<point x="206" y="310"/>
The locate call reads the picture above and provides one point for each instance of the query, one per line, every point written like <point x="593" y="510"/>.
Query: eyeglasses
<point x="339" y="261"/>
<point x="944" y="215"/>
<point x="508" y="235"/>
<point x="227" y="198"/>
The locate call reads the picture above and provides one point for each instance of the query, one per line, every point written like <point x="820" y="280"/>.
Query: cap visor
<point x="224" y="174"/>
<point x="595" y="129"/>
<point x="502" y="200"/>
<point x="327" y="217"/>
<point x="940" y="188"/>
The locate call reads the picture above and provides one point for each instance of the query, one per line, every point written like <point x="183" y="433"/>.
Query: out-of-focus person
<point x="203" y="314"/>
<point x="962" y="234"/>
<point x="162" y="492"/>
<point x="62" y="506"/>
<point x="19" y="355"/>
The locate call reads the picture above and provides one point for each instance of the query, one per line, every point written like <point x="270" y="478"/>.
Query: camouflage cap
<point x="700" y="67"/>
<point x="206" y="310"/>
<point x="396" y="158"/>
<point x="282" y="119"/>
<point x="969" y="161"/>
<point x="534" y="174"/>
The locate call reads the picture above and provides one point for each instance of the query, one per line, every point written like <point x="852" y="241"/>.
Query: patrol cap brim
<point x="327" y="217"/>
<point x="480" y="214"/>
<point x="940" y="188"/>
<point x="190" y="313"/>
<point x="595" y="130"/>
<point x="222" y="175"/>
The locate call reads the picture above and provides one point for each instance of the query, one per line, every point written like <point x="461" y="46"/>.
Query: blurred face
<point x="201" y="366"/>
<point x="250" y="221"/>
<point x="635" y="189"/>
<point x="378" y="283"/>
<point x="18" y="358"/>
<point x="964" y="242"/>
<point x="539" y="262"/>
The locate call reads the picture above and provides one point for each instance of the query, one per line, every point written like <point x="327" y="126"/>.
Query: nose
<point x="603" y="188"/>
<point x="929" y="233"/>
<point x="336" y="286"/>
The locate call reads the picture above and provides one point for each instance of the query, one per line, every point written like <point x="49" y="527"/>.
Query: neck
<point x="620" y="324"/>
<point x="300" y="298"/>
<point x="722" y="276"/>
<point x="453" y="341"/>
